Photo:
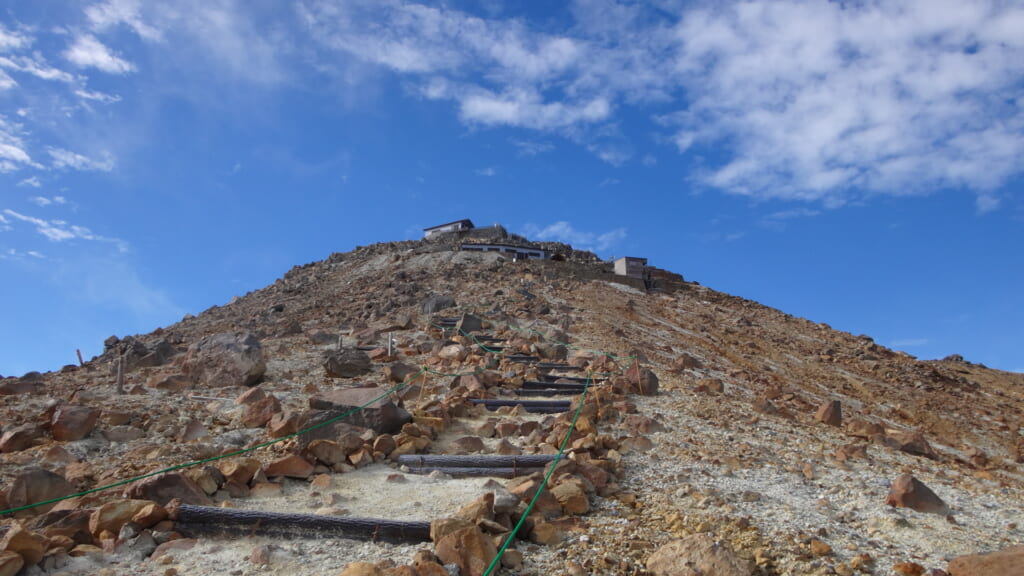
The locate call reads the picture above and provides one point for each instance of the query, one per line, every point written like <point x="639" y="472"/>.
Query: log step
<point x="476" y="460"/>
<point x="477" y="472"/>
<point x="528" y="385"/>
<point x="535" y="406"/>
<point x="191" y="519"/>
<point x="541" y="392"/>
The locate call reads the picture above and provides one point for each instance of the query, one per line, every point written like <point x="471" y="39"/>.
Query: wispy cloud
<point x="61" y="231"/>
<point x="488" y="171"/>
<point x="32" y="182"/>
<point x="563" y="231"/>
<point x="111" y="13"/>
<point x="97" y="96"/>
<point x="65" y="159"/>
<point x="43" y="201"/>
<point x="531" y="147"/>
<point x="88" y="52"/>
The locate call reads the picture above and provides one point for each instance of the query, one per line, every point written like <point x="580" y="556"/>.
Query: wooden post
<point x="120" y="374"/>
<point x="389" y="344"/>
<point x="639" y="385"/>
<point x="79" y="353"/>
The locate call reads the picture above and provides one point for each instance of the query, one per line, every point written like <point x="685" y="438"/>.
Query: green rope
<point x="547" y="477"/>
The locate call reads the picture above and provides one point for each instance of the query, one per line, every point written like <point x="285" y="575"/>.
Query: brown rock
<point x="468" y="444"/>
<point x="10" y="563"/>
<point x="241" y="470"/>
<point x="283" y="424"/>
<point x="70" y="423"/>
<point x="165" y="487"/>
<point x="819" y="548"/>
<point x="251" y="396"/>
<point x="329" y="452"/>
<point x="469" y="548"/>
<point x="292" y="466"/>
<point x="830" y="413"/>
<point x="173" y="545"/>
<point x="546" y="533"/>
<point x="150" y="515"/>
<point x="697" y="555"/>
<point x="399" y="372"/>
<point x="172" y="383"/>
<point x="361" y="569"/>
<point x="20" y="438"/>
<point x="347" y="363"/>
<point x="480" y="509"/>
<point x="572" y="498"/>
<point x="111" y="516"/>
<point x="61" y="524"/>
<point x="38" y="485"/>
<point x="909" y="492"/>
<point x="385" y="444"/>
<point x="640" y="424"/>
<point x="193" y="431"/>
<point x="526" y="487"/>
<point x="228" y="359"/>
<point x="642" y="381"/>
<point x="260" y="555"/>
<point x="686" y="362"/>
<point x="376" y="409"/>
<point x="1006" y="562"/>
<point x="864" y="429"/>
<point x="911" y="443"/>
<point x="456" y="352"/>
<point x="908" y="569"/>
<point x="444" y="526"/>
<point x="30" y="545"/>
<point x="260" y="412"/>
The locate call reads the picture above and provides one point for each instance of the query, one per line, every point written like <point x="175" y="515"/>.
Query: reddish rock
<point x="38" y="485"/>
<point x="30" y="545"/>
<point x="292" y="466"/>
<point x="18" y="386"/>
<point x="830" y="413"/>
<point x="250" y="396"/>
<point x="10" y="563"/>
<point x="911" y="443"/>
<point x="163" y="488"/>
<point x="228" y="359"/>
<point x="260" y="412"/>
<point x="70" y="423"/>
<point x="1006" y="562"/>
<point x="642" y="381"/>
<point x="686" y="362"/>
<point x="546" y="533"/>
<point x="908" y="569"/>
<point x="361" y="569"/>
<point x="572" y="498"/>
<point x="851" y="451"/>
<point x="240" y="470"/>
<point x="347" y="363"/>
<point x="864" y="429"/>
<point x="694" y="555"/>
<point x="909" y="492"/>
<point x="640" y="424"/>
<point x="20" y="438"/>
<point x="469" y="548"/>
<point x="468" y="444"/>
<point x="283" y="424"/>
<point x="172" y="546"/>
<point x="399" y="372"/>
<point x="172" y="383"/>
<point x="112" y="515"/>
<point x="375" y="408"/>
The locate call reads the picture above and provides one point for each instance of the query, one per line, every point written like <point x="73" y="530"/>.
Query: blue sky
<point x="859" y="164"/>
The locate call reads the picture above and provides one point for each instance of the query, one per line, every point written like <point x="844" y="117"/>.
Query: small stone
<point x="260" y="555"/>
<point x="819" y="548"/>
<point x="908" y="569"/>
<point x="909" y="492"/>
<point x="830" y="413"/>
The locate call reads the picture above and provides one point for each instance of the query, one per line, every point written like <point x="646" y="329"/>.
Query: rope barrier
<point x="423" y="370"/>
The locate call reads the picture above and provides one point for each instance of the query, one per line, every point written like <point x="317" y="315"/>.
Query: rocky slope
<point x="726" y="435"/>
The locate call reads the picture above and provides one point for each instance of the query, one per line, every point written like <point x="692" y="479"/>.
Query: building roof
<point x="463" y="221"/>
<point x="631" y="258"/>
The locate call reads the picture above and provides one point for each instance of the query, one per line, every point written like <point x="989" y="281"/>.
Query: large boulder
<point x="437" y="302"/>
<point x="165" y="487"/>
<point x="228" y="359"/>
<point x="697" y="555"/>
<point x="642" y="381"/>
<point x="20" y="437"/>
<point x="909" y="492"/>
<point x="347" y="363"/>
<point x="38" y="485"/>
<point x="1008" y="562"/>
<point x="70" y="423"/>
<point x="369" y="407"/>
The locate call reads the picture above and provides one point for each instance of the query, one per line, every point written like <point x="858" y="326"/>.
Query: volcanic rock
<point x="226" y="359"/>
<point x="830" y="413"/>
<point x="70" y="423"/>
<point x="1006" y="562"/>
<point x="697" y="555"/>
<point x="38" y="485"/>
<point x="909" y="492"/>
<point x="371" y="407"/>
<point x="168" y="486"/>
<point x="347" y="363"/>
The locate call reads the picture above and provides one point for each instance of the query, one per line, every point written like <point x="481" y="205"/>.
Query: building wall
<point x="631" y="267"/>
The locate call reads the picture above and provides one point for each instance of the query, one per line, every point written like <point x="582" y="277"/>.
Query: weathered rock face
<point x="436" y="303"/>
<point x="227" y="359"/>
<point x="697" y="555"/>
<point x="70" y="423"/>
<point x="909" y="492"/>
<point x="163" y="488"/>
<point x="379" y="413"/>
<point x="642" y="381"/>
<point x="347" y="363"/>
<point x="1008" y="562"/>
<point x="10" y="563"/>
<point x="29" y="545"/>
<point x="468" y="548"/>
<point x="38" y="485"/>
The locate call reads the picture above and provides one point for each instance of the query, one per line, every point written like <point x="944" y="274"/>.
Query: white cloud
<point x="40" y="201"/>
<point x="113" y="12"/>
<point x="563" y="231"/>
<point x="12" y="149"/>
<point x="63" y="159"/>
<point x="11" y="40"/>
<point x="531" y="147"/>
<point x="32" y="182"/>
<point x="488" y="171"/>
<point x="88" y="52"/>
<point x="97" y="96"/>
<point x="60" y="231"/>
